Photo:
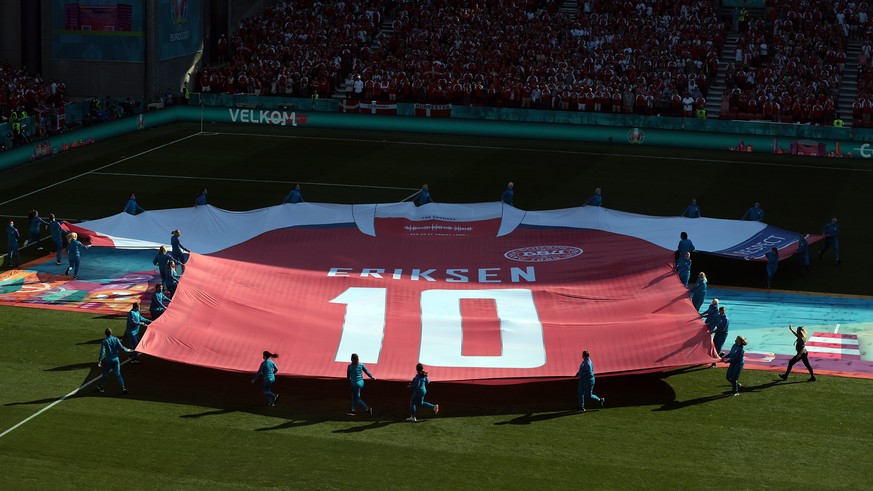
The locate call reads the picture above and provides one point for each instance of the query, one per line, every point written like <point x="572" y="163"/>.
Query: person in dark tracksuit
<point x="802" y="254"/>
<point x="57" y="232"/>
<point x="802" y="355"/>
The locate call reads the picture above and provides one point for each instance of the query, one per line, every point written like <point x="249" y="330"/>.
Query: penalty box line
<point x="123" y="159"/>
<point x="53" y="404"/>
<point x="257" y="181"/>
<point x="548" y="150"/>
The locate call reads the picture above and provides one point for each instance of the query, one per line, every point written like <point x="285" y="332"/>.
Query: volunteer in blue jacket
<point x="508" y="194"/>
<point x="683" y="267"/>
<point x="135" y="321"/>
<point x="172" y="277"/>
<point x="423" y="196"/>
<point x="179" y="252"/>
<point x="74" y="253"/>
<point x="201" y="200"/>
<point x="832" y="239"/>
<point x="755" y="213"/>
<point x="685" y="245"/>
<point x="109" y="361"/>
<point x="720" y="328"/>
<point x="159" y="302"/>
<point x="772" y="265"/>
<point x="698" y="291"/>
<point x="692" y="210"/>
<point x="161" y="260"/>
<point x="268" y="371"/>
<point x="132" y="207"/>
<point x="295" y="196"/>
<point x="585" y="389"/>
<point x="57" y="232"/>
<point x="12" y="256"/>
<point x="711" y="315"/>
<point x="354" y="373"/>
<point x="36" y="223"/>
<point x="802" y="254"/>
<point x="736" y="358"/>
<point x="595" y="199"/>
<point x="419" y="390"/>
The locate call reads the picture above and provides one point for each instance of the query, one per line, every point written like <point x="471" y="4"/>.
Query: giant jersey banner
<point x="474" y="292"/>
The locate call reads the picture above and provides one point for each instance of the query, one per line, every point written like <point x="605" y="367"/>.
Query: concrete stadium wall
<point x="10" y="31"/>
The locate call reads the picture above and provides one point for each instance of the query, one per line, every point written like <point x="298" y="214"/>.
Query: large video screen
<point x="98" y="30"/>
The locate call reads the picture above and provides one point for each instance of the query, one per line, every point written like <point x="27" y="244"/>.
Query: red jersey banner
<point x="474" y="292"/>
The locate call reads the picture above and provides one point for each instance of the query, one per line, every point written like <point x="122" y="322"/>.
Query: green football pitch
<point x="183" y="427"/>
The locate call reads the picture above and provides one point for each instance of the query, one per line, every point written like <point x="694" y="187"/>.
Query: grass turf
<point x="184" y="427"/>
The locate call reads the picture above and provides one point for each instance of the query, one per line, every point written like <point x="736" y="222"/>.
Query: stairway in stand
<point x="848" y="90"/>
<point x="570" y="8"/>
<point x="716" y="89"/>
<point x="386" y="30"/>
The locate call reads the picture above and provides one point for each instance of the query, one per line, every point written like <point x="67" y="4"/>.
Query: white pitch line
<point x="62" y="399"/>
<point x="261" y="181"/>
<point x="547" y="150"/>
<point x="837" y="329"/>
<point x="97" y="169"/>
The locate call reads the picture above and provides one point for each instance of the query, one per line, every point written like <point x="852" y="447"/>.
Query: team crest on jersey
<point x="538" y="254"/>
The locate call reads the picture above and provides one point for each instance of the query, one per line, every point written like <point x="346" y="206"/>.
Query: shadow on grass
<point x="674" y="405"/>
<point x="312" y="401"/>
<point x="37" y="401"/>
<point x="70" y="368"/>
<point x="93" y="341"/>
<point x="372" y="425"/>
<point x="529" y="418"/>
<point x="292" y="424"/>
<point x="216" y="412"/>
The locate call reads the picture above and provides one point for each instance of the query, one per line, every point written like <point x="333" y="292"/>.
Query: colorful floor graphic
<point x="109" y="281"/>
<point x="840" y="327"/>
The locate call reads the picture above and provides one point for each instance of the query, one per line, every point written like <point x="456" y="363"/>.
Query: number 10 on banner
<point x="442" y="334"/>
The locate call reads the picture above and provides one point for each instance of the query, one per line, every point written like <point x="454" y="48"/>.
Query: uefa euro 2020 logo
<point x="635" y="136"/>
<point x="179" y="11"/>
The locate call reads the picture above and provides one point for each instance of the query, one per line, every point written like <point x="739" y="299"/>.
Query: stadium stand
<point x="644" y="58"/>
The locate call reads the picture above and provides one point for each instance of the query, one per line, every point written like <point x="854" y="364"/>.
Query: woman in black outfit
<point x="800" y="345"/>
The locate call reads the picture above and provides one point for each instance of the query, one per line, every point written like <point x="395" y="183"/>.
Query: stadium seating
<point x="616" y="57"/>
<point x="788" y="67"/>
<point x="21" y="90"/>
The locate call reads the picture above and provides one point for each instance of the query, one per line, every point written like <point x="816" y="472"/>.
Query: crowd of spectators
<point x="23" y="91"/>
<point x="649" y="57"/>
<point x="296" y="48"/>
<point x="789" y="66"/>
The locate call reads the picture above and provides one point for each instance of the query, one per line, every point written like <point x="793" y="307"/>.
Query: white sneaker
<point x="412" y="419"/>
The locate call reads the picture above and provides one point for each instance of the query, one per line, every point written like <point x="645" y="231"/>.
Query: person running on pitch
<point x="354" y="373"/>
<point x="268" y="371"/>
<point x="419" y="390"/>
